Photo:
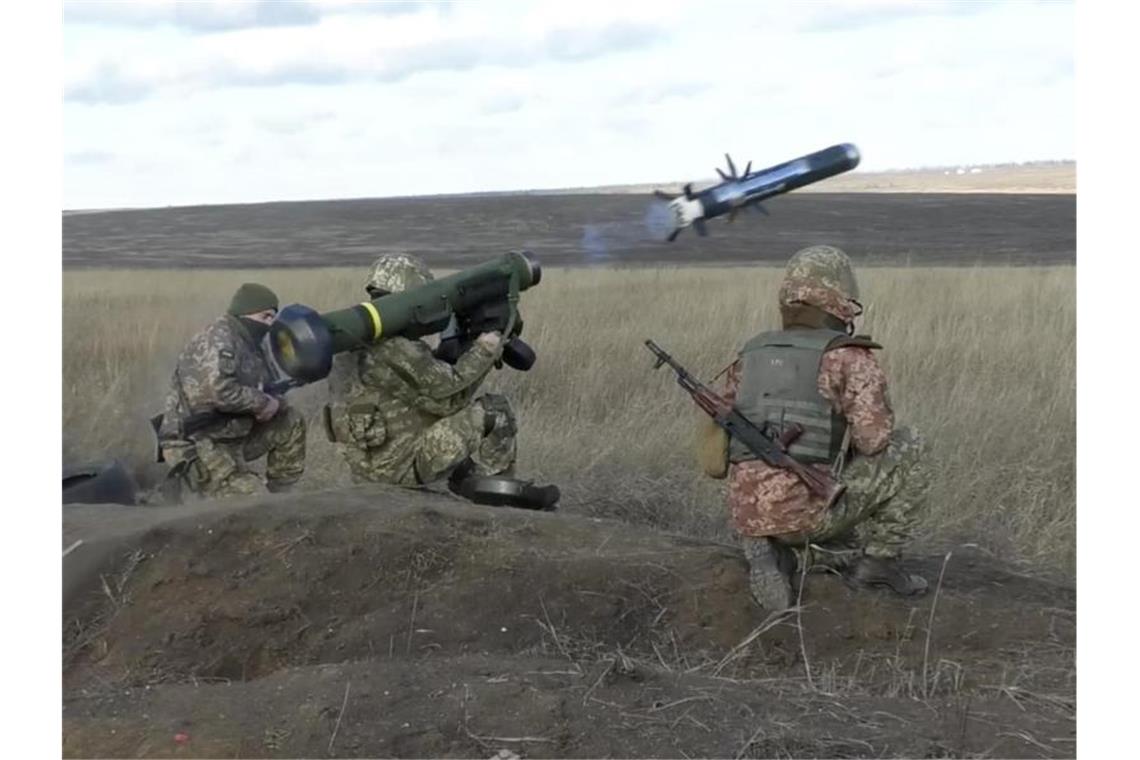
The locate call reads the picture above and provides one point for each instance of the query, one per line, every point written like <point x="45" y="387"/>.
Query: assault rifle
<point x="772" y="451"/>
<point x="196" y="422"/>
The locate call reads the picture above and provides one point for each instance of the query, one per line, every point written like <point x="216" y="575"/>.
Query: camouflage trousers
<point x="220" y="467"/>
<point x="877" y="513"/>
<point x="484" y="432"/>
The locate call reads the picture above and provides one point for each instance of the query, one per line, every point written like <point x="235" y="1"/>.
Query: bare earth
<point x="1012" y="214"/>
<point x="576" y="230"/>
<point x="377" y="622"/>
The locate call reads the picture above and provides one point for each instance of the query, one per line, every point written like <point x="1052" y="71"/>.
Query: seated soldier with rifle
<point x="406" y="415"/>
<point x="816" y="372"/>
<point x="818" y="472"/>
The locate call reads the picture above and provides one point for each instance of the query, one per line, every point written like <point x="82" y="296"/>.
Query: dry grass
<point x="981" y="360"/>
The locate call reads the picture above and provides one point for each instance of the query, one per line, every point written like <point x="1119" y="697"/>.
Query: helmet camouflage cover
<point x="397" y="272"/>
<point x="821" y="276"/>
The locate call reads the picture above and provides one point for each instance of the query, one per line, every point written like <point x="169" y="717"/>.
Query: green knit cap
<point x="251" y="298"/>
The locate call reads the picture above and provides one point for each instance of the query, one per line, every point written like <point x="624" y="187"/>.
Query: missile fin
<point x="689" y="191"/>
<point x="747" y="169"/>
<point x="722" y="174"/>
<point x="699" y="226"/>
<point x="673" y="235"/>
<point x="664" y="195"/>
<point x="731" y="166"/>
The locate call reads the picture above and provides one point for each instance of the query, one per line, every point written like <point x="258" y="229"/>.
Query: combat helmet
<point x="821" y="276"/>
<point x="395" y="273"/>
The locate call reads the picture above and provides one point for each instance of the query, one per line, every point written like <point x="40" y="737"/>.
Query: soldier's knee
<point x="292" y="421"/>
<point x="287" y="431"/>
<point x="214" y="462"/>
<point x="444" y="445"/>
<point x="455" y="433"/>
<point x="908" y="443"/>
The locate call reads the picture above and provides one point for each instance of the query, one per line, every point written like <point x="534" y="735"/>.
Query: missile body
<point x="736" y="192"/>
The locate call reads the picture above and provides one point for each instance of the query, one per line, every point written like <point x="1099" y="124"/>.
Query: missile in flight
<point x="746" y="190"/>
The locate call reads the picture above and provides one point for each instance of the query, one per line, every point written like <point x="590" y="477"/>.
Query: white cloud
<point x="342" y="49"/>
<point x="499" y="96"/>
<point x="212" y="16"/>
<point x="850" y="15"/>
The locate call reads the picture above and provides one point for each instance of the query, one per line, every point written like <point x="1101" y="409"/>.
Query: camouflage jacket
<point x="383" y="397"/>
<point x="220" y="370"/>
<point x="768" y="501"/>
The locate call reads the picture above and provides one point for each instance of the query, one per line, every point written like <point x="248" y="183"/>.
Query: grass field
<point x="982" y="360"/>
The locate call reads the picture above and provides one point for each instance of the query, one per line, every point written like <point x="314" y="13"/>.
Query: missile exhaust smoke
<point x="601" y="241"/>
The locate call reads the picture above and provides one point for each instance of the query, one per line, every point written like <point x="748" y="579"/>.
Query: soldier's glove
<point x="492" y="341"/>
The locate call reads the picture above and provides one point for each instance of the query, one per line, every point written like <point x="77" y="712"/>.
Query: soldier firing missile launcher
<point x="736" y="192"/>
<point x="301" y="343"/>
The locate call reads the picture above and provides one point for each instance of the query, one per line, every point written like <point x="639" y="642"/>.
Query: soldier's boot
<point x="882" y="572"/>
<point x="281" y="485"/>
<point x="768" y="577"/>
<point x="459" y="475"/>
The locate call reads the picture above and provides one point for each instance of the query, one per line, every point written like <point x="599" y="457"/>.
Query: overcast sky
<point x="171" y="103"/>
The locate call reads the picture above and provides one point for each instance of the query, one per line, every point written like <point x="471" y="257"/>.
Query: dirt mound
<point x="379" y="622"/>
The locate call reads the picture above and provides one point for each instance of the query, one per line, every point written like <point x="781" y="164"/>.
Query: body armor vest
<point x="779" y="387"/>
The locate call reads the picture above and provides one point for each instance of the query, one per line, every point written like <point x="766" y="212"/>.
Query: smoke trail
<point x="600" y="240"/>
<point x="593" y="241"/>
<point x="658" y="220"/>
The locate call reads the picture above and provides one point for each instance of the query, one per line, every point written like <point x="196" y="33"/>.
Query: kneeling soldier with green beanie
<point x="217" y="418"/>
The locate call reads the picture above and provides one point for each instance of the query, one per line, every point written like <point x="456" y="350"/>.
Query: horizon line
<point x="577" y="189"/>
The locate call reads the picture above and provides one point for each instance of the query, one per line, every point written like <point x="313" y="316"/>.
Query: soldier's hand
<point x="269" y="410"/>
<point x="490" y="340"/>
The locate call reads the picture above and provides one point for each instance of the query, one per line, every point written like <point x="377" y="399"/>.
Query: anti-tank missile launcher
<point x="301" y="343"/>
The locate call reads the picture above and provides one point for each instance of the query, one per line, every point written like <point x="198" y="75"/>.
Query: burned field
<point x="572" y="230"/>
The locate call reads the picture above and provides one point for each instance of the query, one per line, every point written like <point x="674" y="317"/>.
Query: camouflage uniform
<point x="884" y="468"/>
<point x="222" y="370"/>
<point x="407" y="418"/>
